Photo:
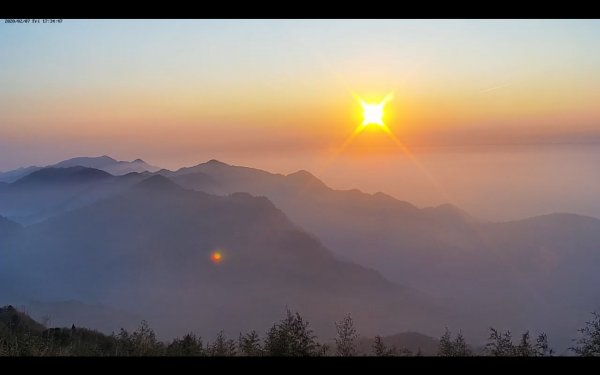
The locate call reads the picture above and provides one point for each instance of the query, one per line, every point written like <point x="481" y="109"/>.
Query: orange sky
<point x="278" y="94"/>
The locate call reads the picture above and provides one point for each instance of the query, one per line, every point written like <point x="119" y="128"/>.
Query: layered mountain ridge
<point x="501" y="274"/>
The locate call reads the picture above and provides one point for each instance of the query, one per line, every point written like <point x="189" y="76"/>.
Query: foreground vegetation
<point x="22" y="336"/>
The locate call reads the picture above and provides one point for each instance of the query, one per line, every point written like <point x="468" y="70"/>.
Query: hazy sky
<point x="278" y="94"/>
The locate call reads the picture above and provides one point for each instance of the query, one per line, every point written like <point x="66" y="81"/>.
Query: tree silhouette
<point x="189" y="345"/>
<point x="249" y="344"/>
<point x="144" y="340"/>
<point x="22" y="336"/>
<point x="291" y="337"/>
<point x="141" y="342"/>
<point x="346" y="337"/>
<point x="456" y="348"/>
<point x="543" y="349"/>
<point x="525" y="347"/>
<point x="380" y="349"/>
<point x="589" y="344"/>
<point x="445" y="348"/>
<point x="501" y="345"/>
<point x="222" y="347"/>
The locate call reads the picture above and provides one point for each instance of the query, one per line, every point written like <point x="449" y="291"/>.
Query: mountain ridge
<point x="75" y="174"/>
<point x="526" y="266"/>
<point x="521" y="263"/>
<point x="155" y="244"/>
<point x="104" y="162"/>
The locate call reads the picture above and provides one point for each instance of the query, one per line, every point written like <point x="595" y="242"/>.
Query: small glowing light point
<point x="216" y="257"/>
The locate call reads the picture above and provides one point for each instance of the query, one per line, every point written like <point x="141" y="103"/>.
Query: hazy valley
<point x="137" y="246"/>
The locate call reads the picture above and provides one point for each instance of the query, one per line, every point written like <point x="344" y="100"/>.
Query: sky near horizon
<point x="278" y="94"/>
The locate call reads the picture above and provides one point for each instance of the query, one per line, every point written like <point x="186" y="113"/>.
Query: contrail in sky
<point x="495" y="88"/>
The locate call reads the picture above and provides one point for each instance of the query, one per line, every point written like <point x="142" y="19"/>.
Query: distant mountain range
<point x="503" y="274"/>
<point x="147" y="250"/>
<point x="50" y="191"/>
<point x="14" y="175"/>
<point x="104" y="163"/>
<point x="141" y="240"/>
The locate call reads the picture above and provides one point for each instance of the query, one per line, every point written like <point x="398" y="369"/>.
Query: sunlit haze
<point x="299" y="187"/>
<point x="503" y="114"/>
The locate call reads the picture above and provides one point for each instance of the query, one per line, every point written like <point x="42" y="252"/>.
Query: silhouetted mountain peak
<point x="211" y="165"/>
<point x="222" y="171"/>
<point x="86" y="161"/>
<point x="158" y="183"/>
<point x="216" y="163"/>
<point x="104" y="163"/>
<point x="107" y="164"/>
<point x="14" y="175"/>
<point x="306" y="178"/>
<point x="18" y="321"/>
<point x="63" y="175"/>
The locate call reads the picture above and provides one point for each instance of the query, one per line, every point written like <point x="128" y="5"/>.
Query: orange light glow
<point x="373" y="114"/>
<point x="216" y="257"/>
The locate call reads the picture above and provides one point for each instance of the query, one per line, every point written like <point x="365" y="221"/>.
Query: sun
<point x="373" y="112"/>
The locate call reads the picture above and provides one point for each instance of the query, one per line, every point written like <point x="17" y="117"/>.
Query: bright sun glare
<point x="373" y="113"/>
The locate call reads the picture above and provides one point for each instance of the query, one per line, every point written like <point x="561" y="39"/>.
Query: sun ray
<point x="403" y="148"/>
<point x="417" y="163"/>
<point x="377" y="119"/>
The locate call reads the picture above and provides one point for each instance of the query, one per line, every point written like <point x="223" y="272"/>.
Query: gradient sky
<point x="277" y="94"/>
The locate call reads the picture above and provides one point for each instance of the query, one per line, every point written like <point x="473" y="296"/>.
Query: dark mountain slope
<point x="71" y="175"/>
<point x="148" y="250"/>
<point x="50" y="191"/>
<point x="503" y="274"/>
<point x="18" y="322"/>
<point x="14" y="175"/>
